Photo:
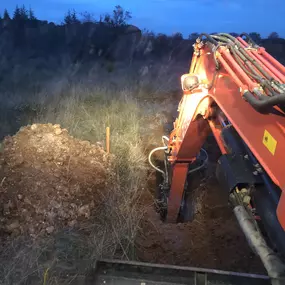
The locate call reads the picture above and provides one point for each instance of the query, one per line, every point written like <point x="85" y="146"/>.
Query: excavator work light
<point x="189" y="82"/>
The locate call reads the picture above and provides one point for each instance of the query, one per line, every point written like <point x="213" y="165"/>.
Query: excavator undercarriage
<point x="235" y="92"/>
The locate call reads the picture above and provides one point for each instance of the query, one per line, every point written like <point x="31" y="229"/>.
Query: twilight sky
<point x="170" y="16"/>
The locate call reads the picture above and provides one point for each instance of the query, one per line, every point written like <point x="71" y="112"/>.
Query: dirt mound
<point x="49" y="180"/>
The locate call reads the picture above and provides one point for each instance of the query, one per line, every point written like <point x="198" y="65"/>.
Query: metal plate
<point x="135" y="273"/>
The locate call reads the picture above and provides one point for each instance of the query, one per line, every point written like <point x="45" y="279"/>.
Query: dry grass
<point x="86" y="107"/>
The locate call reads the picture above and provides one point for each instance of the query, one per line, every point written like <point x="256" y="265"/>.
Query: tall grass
<point x="86" y="105"/>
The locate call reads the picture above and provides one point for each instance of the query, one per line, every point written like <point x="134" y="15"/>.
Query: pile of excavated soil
<point x="49" y="180"/>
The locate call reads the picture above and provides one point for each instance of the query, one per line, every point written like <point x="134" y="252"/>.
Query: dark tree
<point x="120" y="16"/>
<point x="107" y="19"/>
<point x="6" y="15"/>
<point x="234" y="34"/>
<point x="149" y="35"/>
<point x="161" y="43"/>
<point x="177" y="38"/>
<point x="24" y="13"/>
<point x="147" y="32"/>
<point x="273" y="35"/>
<point x="71" y="18"/>
<point x="20" y="20"/>
<point x="87" y="17"/>
<point x="17" y="13"/>
<point x="32" y="16"/>
<point x="162" y="38"/>
<point x="193" y="36"/>
<point x="20" y="14"/>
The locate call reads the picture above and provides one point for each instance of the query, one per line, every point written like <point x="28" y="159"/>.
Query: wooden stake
<point x="108" y="139"/>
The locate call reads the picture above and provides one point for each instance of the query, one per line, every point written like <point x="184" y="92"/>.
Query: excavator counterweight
<point x="234" y="91"/>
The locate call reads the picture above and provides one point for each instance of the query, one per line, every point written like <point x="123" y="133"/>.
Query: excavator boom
<point x="235" y="91"/>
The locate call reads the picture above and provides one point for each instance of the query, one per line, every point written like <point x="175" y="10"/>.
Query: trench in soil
<point x="212" y="240"/>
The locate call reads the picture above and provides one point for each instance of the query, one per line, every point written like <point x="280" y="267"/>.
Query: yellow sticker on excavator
<point x="270" y="142"/>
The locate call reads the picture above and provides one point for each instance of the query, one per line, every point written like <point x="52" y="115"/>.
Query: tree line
<point x="118" y="17"/>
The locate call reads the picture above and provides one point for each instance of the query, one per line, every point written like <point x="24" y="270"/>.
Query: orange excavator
<point x="235" y="91"/>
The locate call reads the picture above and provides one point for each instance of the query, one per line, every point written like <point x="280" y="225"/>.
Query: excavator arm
<point x="235" y="91"/>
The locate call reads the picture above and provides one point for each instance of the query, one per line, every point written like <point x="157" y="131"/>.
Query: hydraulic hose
<point x="232" y="40"/>
<point x="247" y="58"/>
<point x="263" y="82"/>
<point x="214" y="52"/>
<point x="271" y="261"/>
<point x="165" y="173"/>
<point x="262" y="106"/>
<point x="165" y="138"/>
<point x="251" y="41"/>
<point x="151" y="163"/>
<point x="242" y="57"/>
<point x="227" y="36"/>
<point x="222" y="38"/>
<point x="209" y="37"/>
<point x="239" y="61"/>
<point x="202" y="165"/>
<point x="253" y="61"/>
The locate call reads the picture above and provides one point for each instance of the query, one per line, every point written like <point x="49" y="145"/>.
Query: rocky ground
<point x="49" y="180"/>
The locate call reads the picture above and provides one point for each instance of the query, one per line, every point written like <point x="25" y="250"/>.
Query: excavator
<point x="234" y="92"/>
